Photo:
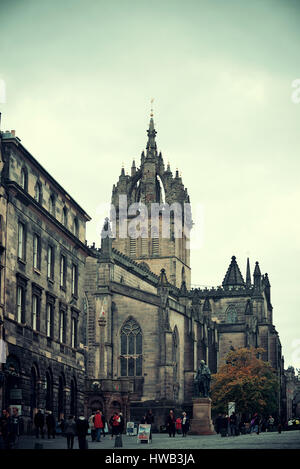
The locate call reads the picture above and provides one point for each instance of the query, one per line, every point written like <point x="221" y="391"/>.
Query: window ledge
<point x="63" y="288"/>
<point x="36" y="271"/>
<point x="50" y="280"/>
<point x="21" y="261"/>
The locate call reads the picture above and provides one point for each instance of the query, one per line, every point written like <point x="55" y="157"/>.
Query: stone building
<point x="116" y="327"/>
<point x="43" y="253"/>
<point x="148" y="330"/>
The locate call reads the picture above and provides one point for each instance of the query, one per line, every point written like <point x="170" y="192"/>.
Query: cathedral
<point x="116" y="327"/>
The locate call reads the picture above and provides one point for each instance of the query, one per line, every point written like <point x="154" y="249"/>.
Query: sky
<point x="79" y="76"/>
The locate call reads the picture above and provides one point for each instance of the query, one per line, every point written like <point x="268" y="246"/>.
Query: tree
<point x="246" y="380"/>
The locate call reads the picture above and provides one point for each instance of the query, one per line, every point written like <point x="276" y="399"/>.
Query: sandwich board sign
<point x="144" y="432"/>
<point x="131" y="429"/>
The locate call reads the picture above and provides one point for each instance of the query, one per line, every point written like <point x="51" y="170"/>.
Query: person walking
<point x="15" y="426"/>
<point x="178" y="425"/>
<point x="224" y="425"/>
<point x="5" y="429"/>
<point x="149" y="419"/>
<point x="122" y="423"/>
<point x="218" y="423"/>
<point x="98" y="424"/>
<point x="39" y="422"/>
<point x="70" y="431"/>
<point x="256" y="423"/>
<point x="170" y="424"/>
<point x="185" y="424"/>
<point x="270" y="423"/>
<point x="50" y="423"/>
<point x="116" y="424"/>
<point x="92" y="426"/>
<point x="82" y="427"/>
<point x="232" y="423"/>
<point x="104" y="423"/>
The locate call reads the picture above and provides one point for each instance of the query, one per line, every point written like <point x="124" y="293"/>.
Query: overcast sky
<point x="79" y="77"/>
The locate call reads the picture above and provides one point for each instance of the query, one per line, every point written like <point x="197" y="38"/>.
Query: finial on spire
<point x="151" y="111"/>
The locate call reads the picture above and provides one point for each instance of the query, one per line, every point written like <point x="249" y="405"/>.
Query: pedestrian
<point x="98" y="424"/>
<point x="149" y="419"/>
<point x="104" y="423"/>
<point x="170" y="424"/>
<point x="218" y="423"/>
<point x="270" y="423"/>
<point x="256" y="423"/>
<point x="39" y="422"/>
<point x="50" y="423"/>
<point x="232" y="423"/>
<point x="82" y="427"/>
<point x="111" y="425"/>
<point x="15" y="426"/>
<point x="185" y="424"/>
<point x="178" y="425"/>
<point x="70" y="431"/>
<point x="121" y="424"/>
<point x="92" y="427"/>
<point x="143" y="419"/>
<point x="115" y="422"/>
<point x="5" y="429"/>
<point x="224" y="425"/>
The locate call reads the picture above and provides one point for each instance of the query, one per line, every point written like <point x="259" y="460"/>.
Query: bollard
<point x="118" y="441"/>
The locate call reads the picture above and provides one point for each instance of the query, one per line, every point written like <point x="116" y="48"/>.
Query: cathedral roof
<point x="233" y="275"/>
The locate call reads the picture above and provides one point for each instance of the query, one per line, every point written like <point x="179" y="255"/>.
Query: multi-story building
<point x="43" y="253"/>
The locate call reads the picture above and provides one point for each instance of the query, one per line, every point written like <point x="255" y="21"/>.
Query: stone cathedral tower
<point x="149" y="184"/>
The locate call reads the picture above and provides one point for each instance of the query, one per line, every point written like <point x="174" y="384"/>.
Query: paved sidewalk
<point x="274" y="440"/>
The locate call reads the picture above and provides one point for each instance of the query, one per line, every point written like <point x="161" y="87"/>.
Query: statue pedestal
<point x="202" y="423"/>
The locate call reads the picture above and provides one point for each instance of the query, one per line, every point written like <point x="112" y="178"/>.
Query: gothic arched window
<point x="231" y="314"/>
<point x="131" y="348"/>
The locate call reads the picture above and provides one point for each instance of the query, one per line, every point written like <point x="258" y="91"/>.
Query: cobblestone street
<point x="285" y="440"/>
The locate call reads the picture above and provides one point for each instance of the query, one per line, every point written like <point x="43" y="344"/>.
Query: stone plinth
<point x="201" y="423"/>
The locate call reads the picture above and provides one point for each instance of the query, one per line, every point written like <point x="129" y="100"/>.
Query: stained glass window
<point x="131" y="345"/>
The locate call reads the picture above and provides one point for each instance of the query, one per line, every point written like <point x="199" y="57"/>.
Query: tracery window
<point x="231" y="314"/>
<point x="131" y="341"/>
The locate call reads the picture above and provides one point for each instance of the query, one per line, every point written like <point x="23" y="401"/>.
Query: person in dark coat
<point x="224" y="425"/>
<point x="149" y="420"/>
<point x="50" y="422"/>
<point x="5" y="429"/>
<point x="104" y="422"/>
<point x="170" y="424"/>
<point x="39" y="422"/>
<point x="70" y="431"/>
<point x="82" y="426"/>
<point x="15" y="426"/>
<point x="218" y="423"/>
<point x="233" y="424"/>
<point x="185" y="423"/>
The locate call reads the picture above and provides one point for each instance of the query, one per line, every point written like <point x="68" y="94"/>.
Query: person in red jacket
<point x="178" y="425"/>
<point x="98" y="424"/>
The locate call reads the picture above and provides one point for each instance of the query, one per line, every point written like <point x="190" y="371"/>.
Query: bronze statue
<point x="202" y="381"/>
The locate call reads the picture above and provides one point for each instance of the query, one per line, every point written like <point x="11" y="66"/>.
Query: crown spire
<point x="151" y="144"/>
